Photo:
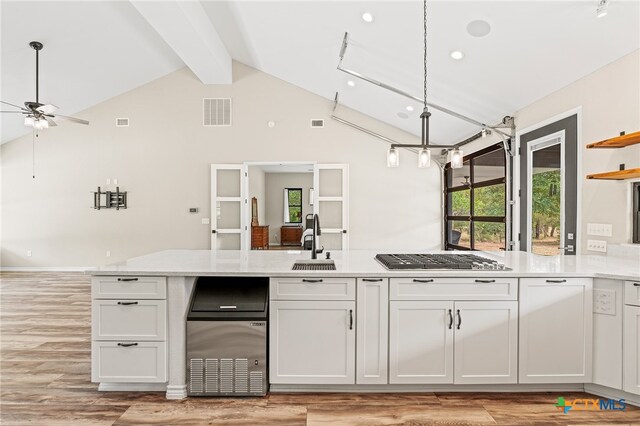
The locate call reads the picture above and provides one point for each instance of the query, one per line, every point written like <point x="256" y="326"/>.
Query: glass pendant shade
<point x="456" y="158"/>
<point x="393" y="157"/>
<point x="29" y="121"/>
<point x="424" y="158"/>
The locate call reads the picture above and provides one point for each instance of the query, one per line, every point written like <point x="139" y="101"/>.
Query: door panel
<point x="548" y="188"/>
<point x="331" y="203"/>
<point x="228" y="207"/>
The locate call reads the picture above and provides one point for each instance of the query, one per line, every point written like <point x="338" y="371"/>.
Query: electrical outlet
<point x="108" y="253"/>
<point x="28" y="253"/>
<point x="597" y="245"/>
<point x="108" y="181"/>
<point x="205" y="221"/>
<point x="600" y="229"/>
<point x="115" y="181"/>
<point x="604" y="301"/>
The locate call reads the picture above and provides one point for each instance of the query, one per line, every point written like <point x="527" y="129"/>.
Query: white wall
<point x="163" y="160"/>
<point x="257" y="189"/>
<point x="275" y="184"/>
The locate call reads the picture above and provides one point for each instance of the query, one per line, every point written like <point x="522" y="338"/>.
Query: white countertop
<point x="361" y="263"/>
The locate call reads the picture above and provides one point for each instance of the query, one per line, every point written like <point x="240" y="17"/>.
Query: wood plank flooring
<point x="45" y="379"/>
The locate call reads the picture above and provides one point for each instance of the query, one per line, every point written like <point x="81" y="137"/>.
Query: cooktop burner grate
<point x="438" y="261"/>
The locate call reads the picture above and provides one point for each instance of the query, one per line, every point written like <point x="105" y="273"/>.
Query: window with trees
<point x="293" y="205"/>
<point x="475" y="202"/>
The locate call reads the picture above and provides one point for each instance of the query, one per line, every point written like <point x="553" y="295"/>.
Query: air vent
<point x="216" y="112"/>
<point x="255" y="382"/>
<point x="211" y="375"/>
<point x="317" y="123"/>
<point x="196" y="376"/>
<point x="242" y="375"/>
<point x="226" y="375"/>
<point x="122" y="122"/>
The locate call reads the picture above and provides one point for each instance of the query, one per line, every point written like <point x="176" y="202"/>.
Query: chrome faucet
<point x="316" y="232"/>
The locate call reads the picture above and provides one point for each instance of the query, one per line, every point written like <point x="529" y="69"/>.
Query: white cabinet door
<point x="420" y="342"/>
<point x="129" y="320"/>
<point x="372" y="330"/>
<point x="608" y="316"/>
<point x="486" y="342"/>
<point x="312" y="342"/>
<point x="631" y="352"/>
<point x="555" y="330"/>
<point x="129" y="362"/>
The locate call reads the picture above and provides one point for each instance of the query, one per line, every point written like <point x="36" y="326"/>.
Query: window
<point x="476" y="202"/>
<point x="293" y="205"/>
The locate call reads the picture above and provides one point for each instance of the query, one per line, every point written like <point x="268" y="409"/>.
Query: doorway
<point x="549" y="189"/>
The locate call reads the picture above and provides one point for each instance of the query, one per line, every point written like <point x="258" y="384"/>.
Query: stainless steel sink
<point x="314" y="265"/>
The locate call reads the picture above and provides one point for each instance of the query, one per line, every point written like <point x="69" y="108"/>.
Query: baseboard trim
<point x="176" y="391"/>
<point x="132" y="387"/>
<point x="612" y="393"/>
<point x="561" y="387"/>
<point x="45" y="268"/>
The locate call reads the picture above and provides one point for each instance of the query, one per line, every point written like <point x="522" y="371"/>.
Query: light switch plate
<point x="205" y="220"/>
<point x="604" y="301"/>
<point x="597" y="245"/>
<point x="600" y="229"/>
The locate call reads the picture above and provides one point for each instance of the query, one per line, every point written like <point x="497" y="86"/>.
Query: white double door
<point x="231" y="213"/>
<point x="453" y="342"/>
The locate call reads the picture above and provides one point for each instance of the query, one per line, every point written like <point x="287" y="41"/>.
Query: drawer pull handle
<point x="636" y="284"/>
<point x="350" y="319"/>
<point x="422" y="281"/>
<point x="127" y="303"/>
<point x="557" y="281"/>
<point x="485" y="282"/>
<point x="228" y="307"/>
<point x="127" y="279"/>
<point x="372" y="280"/>
<point x="450" y="319"/>
<point x="459" y="318"/>
<point x="304" y="280"/>
<point x="127" y="345"/>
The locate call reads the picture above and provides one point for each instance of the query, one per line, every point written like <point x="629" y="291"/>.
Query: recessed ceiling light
<point x="367" y="17"/>
<point x="409" y="108"/>
<point x="456" y="54"/>
<point x="403" y="115"/>
<point x="351" y="83"/>
<point x="478" y="28"/>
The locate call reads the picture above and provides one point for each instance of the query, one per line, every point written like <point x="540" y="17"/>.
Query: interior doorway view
<point x="262" y="206"/>
<point x="548" y="192"/>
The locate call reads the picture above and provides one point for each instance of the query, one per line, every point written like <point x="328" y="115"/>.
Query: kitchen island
<point x="529" y="327"/>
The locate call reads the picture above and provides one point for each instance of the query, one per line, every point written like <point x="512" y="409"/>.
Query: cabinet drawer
<point x="313" y="288"/>
<point x="129" y="287"/>
<point x="129" y="319"/>
<point x="129" y="362"/>
<point x="454" y="289"/>
<point x="632" y="293"/>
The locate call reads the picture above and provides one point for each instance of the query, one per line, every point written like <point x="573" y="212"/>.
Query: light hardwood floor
<point x="45" y="334"/>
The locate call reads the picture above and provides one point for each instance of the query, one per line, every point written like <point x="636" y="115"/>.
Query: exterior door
<point x="548" y="189"/>
<point x="228" y="207"/>
<point x="331" y="203"/>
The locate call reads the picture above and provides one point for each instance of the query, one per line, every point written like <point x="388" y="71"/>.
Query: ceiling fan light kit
<point x="39" y="116"/>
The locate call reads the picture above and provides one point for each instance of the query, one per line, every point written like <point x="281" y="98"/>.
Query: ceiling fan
<point x="37" y="115"/>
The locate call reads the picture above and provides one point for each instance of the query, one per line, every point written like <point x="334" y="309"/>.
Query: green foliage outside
<point x="546" y="204"/>
<point x="488" y="201"/>
<point x="295" y="205"/>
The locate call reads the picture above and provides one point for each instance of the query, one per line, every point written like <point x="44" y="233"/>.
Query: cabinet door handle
<point x="450" y="319"/>
<point x="127" y="303"/>
<point x="485" y="281"/>
<point x="350" y="319"/>
<point x="422" y="281"/>
<point x="459" y="318"/>
<point x="127" y="279"/>
<point x="304" y="280"/>
<point x="372" y="280"/>
<point x="557" y="281"/>
<point x="127" y="345"/>
<point x="636" y="284"/>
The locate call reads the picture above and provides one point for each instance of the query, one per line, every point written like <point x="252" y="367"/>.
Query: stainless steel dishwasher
<point x="227" y="337"/>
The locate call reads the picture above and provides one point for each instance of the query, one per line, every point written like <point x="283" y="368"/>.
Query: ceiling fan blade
<point x="16" y="112"/>
<point x="13" y="105"/>
<point x="47" y="109"/>
<point x="75" y="120"/>
<point x="51" y="122"/>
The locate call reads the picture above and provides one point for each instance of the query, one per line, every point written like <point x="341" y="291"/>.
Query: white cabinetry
<point x="608" y="302"/>
<point x="632" y="337"/>
<point x="129" y="330"/>
<point x="312" y="341"/>
<point x="555" y="330"/>
<point x="372" y="330"/>
<point x="447" y="341"/>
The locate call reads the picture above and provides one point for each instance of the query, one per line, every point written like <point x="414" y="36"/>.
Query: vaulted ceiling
<point x="96" y="50"/>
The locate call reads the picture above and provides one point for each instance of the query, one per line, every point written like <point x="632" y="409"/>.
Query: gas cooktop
<point x="439" y="261"/>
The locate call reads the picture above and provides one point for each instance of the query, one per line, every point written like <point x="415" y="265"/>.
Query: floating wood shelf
<point x="617" y="175"/>
<point x="618" y="141"/>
